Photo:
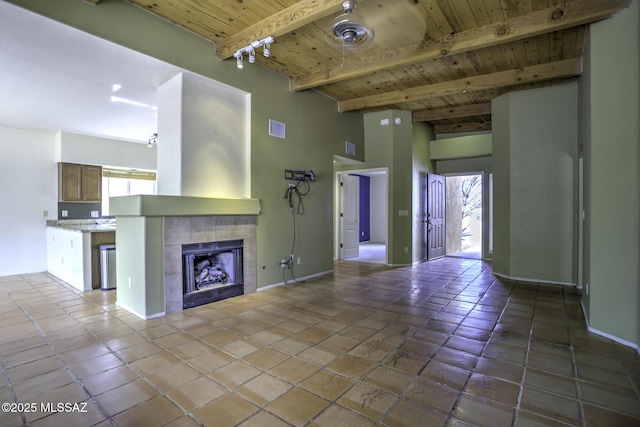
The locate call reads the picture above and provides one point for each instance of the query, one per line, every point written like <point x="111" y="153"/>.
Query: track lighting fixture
<point x="238" y="56"/>
<point x="153" y="140"/>
<point x="251" y="50"/>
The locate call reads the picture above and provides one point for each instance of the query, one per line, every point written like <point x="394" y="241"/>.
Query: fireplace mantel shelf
<point x="157" y="205"/>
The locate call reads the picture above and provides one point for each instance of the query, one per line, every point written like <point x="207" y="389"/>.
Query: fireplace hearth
<point x="212" y="272"/>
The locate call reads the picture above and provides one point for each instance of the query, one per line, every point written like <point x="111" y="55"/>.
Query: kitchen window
<point x="125" y="182"/>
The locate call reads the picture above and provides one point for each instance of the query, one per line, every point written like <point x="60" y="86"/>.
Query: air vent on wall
<point x="277" y="129"/>
<point x="350" y="148"/>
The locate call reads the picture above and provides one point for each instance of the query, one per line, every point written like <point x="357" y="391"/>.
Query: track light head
<point x="238" y="56"/>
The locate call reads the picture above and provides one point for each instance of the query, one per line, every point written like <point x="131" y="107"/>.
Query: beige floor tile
<point x="336" y="415"/>
<point x="93" y="366"/>
<point x="266" y="358"/>
<point x="409" y="414"/>
<point x="366" y="344"/>
<point x="210" y="361"/>
<point x="479" y="411"/>
<point x="264" y="418"/>
<point x="327" y="384"/>
<point x="351" y="366"/>
<point x="389" y="379"/>
<point x="173" y="376"/>
<point x="263" y="389"/>
<point x="196" y="393"/>
<point x="550" y="405"/>
<point x="234" y="374"/>
<point x="34" y="386"/>
<point x="493" y="389"/>
<point x="126" y="396"/>
<point x="368" y="400"/>
<point x="431" y="394"/>
<point x="226" y="411"/>
<point x="155" y="412"/>
<point x="107" y="380"/>
<point x="298" y="406"/>
<point x="294" y="370"/>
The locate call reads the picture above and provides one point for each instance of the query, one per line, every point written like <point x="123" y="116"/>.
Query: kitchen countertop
<point x="84" y="225"/>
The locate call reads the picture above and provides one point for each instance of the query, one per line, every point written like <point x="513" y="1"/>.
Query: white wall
<point x="92" y="150"/>
<point x="203" y="138"/>
<point x="28" y="186"/>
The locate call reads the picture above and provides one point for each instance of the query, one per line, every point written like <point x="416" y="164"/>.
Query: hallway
<point x="439" y="343"/>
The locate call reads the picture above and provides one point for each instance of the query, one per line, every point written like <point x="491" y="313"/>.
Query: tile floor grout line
<point x="58" y="356"/>
<point x="8" y="379"/>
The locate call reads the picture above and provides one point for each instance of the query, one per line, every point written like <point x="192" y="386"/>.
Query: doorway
<point x="361" y="215"/>
<point x="464" y="216"/>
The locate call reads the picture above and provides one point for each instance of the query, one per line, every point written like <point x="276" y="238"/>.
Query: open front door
<point x="435" y="221"/>
<point x="350" y="216"/>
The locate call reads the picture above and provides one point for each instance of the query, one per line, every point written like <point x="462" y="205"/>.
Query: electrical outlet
<point x="283" y="263"/>
<point x="45" y="213"/>
<point x="406" y="250"/>
<point x="95" y="214"/>
<point x="299" y="260"/>
<point x="65" y="213"/>
<point x="129" y="281"/>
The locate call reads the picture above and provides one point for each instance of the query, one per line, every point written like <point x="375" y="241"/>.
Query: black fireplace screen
<point x="211" y="272"/>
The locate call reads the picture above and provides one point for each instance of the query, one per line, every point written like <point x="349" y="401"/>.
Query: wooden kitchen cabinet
<point x="79" y="183"/>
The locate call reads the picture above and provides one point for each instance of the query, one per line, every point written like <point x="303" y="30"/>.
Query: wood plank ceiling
<point x="444" y="60"/>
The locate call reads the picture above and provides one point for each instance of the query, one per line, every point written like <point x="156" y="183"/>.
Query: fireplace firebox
<point x="211" y="272"/>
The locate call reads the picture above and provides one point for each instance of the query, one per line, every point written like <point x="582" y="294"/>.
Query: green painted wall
<point x="461" y="147"/>
<point x="140" y="290"/>
<point x="536" y="184"/>
<point x="610" y="130"/>
<point x="394" y="146"/>
<point x="315" y="129"/>
<point x="501" y="164"/>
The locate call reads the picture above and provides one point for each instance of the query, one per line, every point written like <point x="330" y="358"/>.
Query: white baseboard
<point x="275" y="285"/>
<point x="141" y="316"/>
<point x="606" y="335"/>
<point x="527" y="279"/>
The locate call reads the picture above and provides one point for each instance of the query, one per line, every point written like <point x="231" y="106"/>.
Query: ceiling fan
<point x="391" y="23"/>
<point x="349" y="30"/>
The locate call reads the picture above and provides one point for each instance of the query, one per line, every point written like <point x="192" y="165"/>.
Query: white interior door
<point x="349" y="216"/>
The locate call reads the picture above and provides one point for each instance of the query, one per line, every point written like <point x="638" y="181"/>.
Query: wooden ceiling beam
<point x="568" y="15"/>
<point x="283" y="22"/>
<point x="452" y="112"/>
<point x="533" y="73"/>
<point x="462" y="127"/>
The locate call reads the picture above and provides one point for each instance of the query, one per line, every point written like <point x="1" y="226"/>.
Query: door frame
<point x="337" y="197"/>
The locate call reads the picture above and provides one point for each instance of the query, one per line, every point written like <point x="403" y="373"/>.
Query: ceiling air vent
<point x="277" y="129"/>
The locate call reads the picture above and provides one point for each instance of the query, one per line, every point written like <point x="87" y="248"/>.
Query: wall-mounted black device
<point x="292" y="175"/>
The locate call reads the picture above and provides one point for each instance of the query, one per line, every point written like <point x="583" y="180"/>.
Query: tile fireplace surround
<point x="199" y="229"/>
<point x="150" y="232"/>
